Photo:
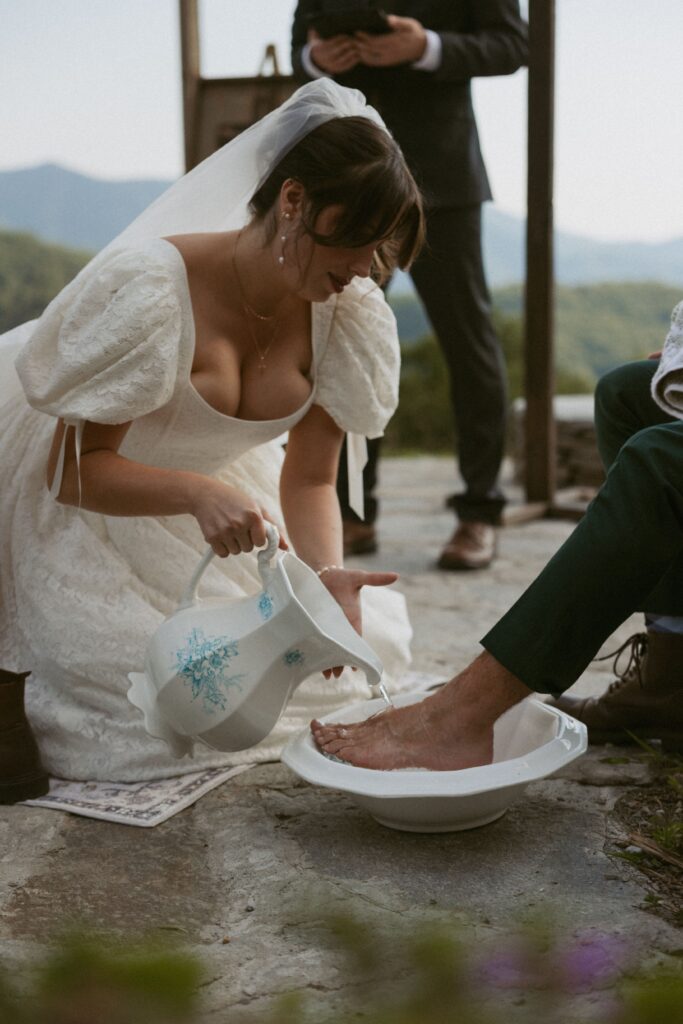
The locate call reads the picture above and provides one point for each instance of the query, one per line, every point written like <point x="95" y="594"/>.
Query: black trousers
<point x="625" y="555"/>
<point x="449" y="278"/>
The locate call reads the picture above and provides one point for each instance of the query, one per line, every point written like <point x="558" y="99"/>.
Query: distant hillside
<point x="75" y="210"/>
<point x="31" y="274"/>
<point x="71" y="209"/>
<point x="597" y="326"/>
<point x="579" y="260"/>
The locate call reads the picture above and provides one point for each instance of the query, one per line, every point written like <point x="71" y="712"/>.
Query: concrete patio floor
<point x="247" y="875"/>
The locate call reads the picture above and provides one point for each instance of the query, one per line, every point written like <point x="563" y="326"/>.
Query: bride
<point x="242" y="305"/>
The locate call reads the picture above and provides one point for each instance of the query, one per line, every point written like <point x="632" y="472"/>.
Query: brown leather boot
<point x="472" y="546"/>
<point x="22" y="776"/>
<point x="646" y="699"/>
<point x="359" y="538"/>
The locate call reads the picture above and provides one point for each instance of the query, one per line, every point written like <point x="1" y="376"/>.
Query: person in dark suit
<point x="418" y="76"/>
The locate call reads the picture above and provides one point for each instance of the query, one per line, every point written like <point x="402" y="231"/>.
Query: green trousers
<point x="625" y="555"/>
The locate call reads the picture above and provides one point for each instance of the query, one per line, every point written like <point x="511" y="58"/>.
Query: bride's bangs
<point x="381" y="208"/>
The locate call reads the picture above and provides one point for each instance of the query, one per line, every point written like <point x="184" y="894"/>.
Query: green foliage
<point x="86" y="979"/>
<point x="439" y="973"/>
<point x="424" y="418"/>
<point x="655" y="1001"/>
<point x="442" y="974"/>
<point x="601" y="326"/>
<point x="598" y="327"/>
<point x="669" y="836"/>
<point x="569" y="380"/>
<point x="31" y="274"/>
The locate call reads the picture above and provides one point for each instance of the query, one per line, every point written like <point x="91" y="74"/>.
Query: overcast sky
<point x="95" y="85"/>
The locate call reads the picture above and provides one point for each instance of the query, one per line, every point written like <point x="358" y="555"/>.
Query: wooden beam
<point x="539" y="295"/>
<point x="191" y="70"/>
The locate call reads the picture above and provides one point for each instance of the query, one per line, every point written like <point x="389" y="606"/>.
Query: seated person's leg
<point x="613" y="564"/>
<point x="608" y="568"/>
<point x="624" y="405"/>
<point x="648" y="666"/>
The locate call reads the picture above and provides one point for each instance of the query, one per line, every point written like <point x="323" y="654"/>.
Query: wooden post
<point x="191" y="70"/>
<point x="539" y="297"/>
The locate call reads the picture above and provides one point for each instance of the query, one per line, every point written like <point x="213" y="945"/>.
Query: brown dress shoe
<point x="472" y="546"/>
<point x="645" y="700"/>
<point x="359" y="538"/>
<point x="22" y="776"/>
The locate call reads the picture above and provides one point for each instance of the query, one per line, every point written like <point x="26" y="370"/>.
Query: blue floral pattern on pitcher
<point x="203" y="663"/>
<point x="294" y="657"/>
<point x="265" y="605"/>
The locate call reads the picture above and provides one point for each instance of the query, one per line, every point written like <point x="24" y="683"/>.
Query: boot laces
<point x="637" y="645"/>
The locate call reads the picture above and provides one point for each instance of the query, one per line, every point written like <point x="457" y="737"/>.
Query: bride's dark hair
<point x="354" y="163"/>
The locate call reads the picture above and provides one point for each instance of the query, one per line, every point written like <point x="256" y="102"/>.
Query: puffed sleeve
<point x="357" y="380"/>
<point x="109" y="347"/>
<point x="359" y="372"/>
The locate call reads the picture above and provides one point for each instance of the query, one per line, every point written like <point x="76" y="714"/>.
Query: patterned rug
<point x="134" y="803"/>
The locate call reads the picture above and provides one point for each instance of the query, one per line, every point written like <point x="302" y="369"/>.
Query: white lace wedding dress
<point x="82" y="592"/>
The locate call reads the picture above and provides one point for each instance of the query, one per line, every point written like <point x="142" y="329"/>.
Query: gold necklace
<point x="246" y="308"/>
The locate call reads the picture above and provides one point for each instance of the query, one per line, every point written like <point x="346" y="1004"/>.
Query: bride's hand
<point x="230" y="520"/>
<point x="345" y="586"/>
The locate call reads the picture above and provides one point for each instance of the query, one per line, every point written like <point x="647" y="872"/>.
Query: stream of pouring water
<point x="387" y="699"/>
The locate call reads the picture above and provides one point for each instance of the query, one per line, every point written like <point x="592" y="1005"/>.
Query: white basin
<point x="531" y="740"/>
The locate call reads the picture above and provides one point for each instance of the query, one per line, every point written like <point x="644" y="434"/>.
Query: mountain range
<point x="72" y="209"/>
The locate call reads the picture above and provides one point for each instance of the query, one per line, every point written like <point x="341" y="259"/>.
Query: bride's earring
<point x="283" y="239"/>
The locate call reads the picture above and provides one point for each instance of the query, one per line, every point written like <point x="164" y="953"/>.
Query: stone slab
<point x="248" y="876"/>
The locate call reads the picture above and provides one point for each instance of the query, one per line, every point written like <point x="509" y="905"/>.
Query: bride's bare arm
<point x="308" y="489"/>
<point x="114" y="485"/>
<point x="311" y="509"/>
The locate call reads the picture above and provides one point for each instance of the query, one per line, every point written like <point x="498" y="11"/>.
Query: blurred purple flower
<point x="507" y="969"/>
<point x="593" y="961"/>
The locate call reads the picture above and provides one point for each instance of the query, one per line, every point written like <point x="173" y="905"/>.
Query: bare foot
<point x="447" y="731"/>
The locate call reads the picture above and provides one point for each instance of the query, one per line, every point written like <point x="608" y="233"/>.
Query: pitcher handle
<point x="264" y="558"/>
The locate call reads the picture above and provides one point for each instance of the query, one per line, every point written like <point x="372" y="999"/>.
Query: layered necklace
<point x="251" y="314"/>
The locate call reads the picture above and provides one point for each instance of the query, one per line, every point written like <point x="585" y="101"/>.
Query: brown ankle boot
<point x="646" y="699"/>
<point x="22" y="776"/>
<point x="359" y="538"/>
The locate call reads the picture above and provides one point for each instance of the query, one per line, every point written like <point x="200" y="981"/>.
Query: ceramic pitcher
<point x="223" y="671"/>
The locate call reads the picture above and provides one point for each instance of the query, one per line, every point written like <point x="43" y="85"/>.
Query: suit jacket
<point x="430" y="112"/>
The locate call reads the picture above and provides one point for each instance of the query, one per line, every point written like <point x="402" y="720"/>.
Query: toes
<point x="328" y="732"/>
<point x="333" y="746"/>
<point x="323" y="734"/>
<point x="326" y="727"/>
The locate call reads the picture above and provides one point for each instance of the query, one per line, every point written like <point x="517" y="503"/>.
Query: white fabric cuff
<point x="431" y="58"/>
<point x="309" y="65"/>
<point x="357" y="457"/>
<point x="56" y="485"/>
<point x="667" y="383"/>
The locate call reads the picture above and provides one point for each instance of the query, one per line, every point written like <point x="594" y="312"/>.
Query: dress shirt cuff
<point x="309" y="65"/>
<point x="431" y="58"/>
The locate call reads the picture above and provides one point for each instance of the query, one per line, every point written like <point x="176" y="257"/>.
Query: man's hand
<point x="403" y="45"/>
<point x="335" y="55"/>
